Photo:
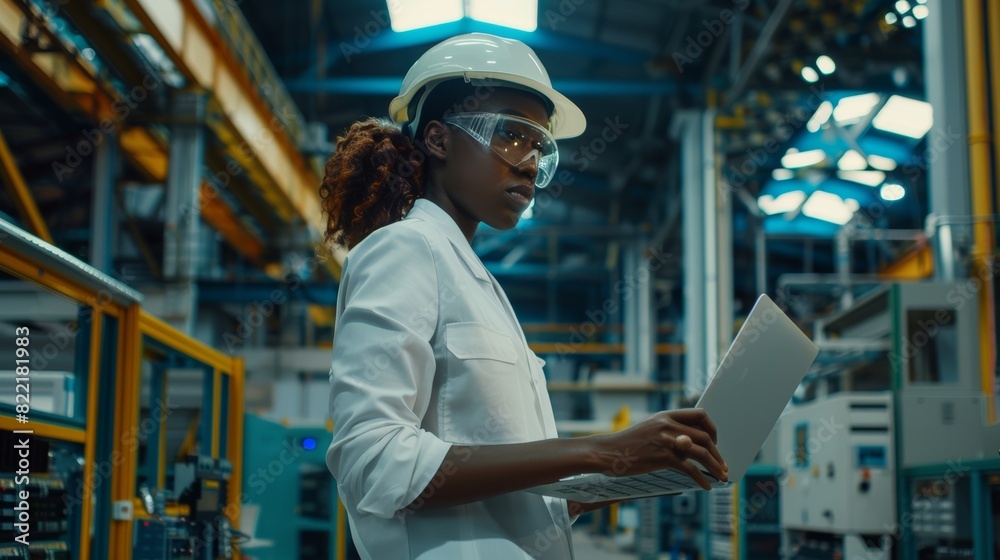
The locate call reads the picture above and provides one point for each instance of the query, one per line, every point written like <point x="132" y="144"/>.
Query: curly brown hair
<point x="371" y="180"/>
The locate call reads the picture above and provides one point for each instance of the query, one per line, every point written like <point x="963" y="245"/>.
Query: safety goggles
<point x="514" y="139"/>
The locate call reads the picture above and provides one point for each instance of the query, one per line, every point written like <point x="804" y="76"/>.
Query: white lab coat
<point x="427" y="353"/>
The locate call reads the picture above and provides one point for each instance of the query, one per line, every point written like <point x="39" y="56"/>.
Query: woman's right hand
<point x="666" y="440"/>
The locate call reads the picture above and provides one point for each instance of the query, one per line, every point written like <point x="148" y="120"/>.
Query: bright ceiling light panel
<point x="405" y="15"/>
<point x="826" y="64"/>
<point x="902" y="6"/>
<point x="855" y="107"/>
<point x="517" y="14"/>
<point x="820" y="117"/>
<point x="870" y="178"/>
<point x="891" y="18"/>
<point x="786" y="202"/>
<point x="892" y="191"/>
<point x="881" y="162"/>
<point x="829" y="208"/>
<point x="809" y="74"/>
<point x="905" y="116"/>
<point x="852" y="161"/>
<point x="908" y="21"/>
<point x="782" y="174"/>
<point x="793" y="160"/>
<point x="920" y="12"/>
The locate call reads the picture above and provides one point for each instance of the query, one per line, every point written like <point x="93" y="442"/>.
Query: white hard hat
<point x="480" y="56"/>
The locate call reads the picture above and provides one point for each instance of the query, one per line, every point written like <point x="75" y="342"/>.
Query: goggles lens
<point x="514" y="139"/>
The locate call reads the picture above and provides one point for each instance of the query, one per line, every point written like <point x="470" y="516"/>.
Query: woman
<point x="440" y="410"/>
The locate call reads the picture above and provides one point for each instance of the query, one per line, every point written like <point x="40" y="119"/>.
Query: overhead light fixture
<point x="905" y="116"/>
<point x="902" y="6"/>
<point x="891" y="18"/>
<point x="881" y="162"/>
<point x="921" y="1"/>
<point x="920" y="12"/>
<point x="892" y="192"/>
<point x="517" y="14"/>
<point x="829" y="207"/>
<point x="416" y="14"/>
<point x="908" y="21"/>
<point x="786" y="202"/>
<point x="820" y="117"/>
<point x="852" y="161"/>
<point x="793" y="160"/>
<point x="867" y="177"/>
<point x="826" y="64"/>
<point x="782" y="174"/>
<point x="855" y="107"/>
<point x="809" y="74"/>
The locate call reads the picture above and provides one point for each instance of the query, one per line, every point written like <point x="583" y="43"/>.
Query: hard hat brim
<point x="567" y="120"/>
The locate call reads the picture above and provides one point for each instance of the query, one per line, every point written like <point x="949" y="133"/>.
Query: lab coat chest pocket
<point x="483" y="402"/>
<point x="476" y="341"/>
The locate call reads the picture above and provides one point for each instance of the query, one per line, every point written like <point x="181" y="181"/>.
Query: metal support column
<point x="722" y="220"/>
<point x="637" y="279"/>
<point x="947" y="160"/>
<point x="645" y="325"/>
<point x="842" y="243"/>
<point x="630" y="263"/>
<point x="710" y="262"/>
<point x="180" y="258"/>
<point x="104" y="217"/>
<point x="707" y="279"/>
<point x="689" y="133"/>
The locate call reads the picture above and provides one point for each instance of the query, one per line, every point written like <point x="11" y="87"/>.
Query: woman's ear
<point x="436" y="136"/>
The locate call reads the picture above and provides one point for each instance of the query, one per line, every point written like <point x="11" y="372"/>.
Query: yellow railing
<point x="32" y="260"/>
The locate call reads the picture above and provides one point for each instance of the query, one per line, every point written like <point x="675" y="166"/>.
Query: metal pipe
<point x="993" y="36"/>
<point x="982" y="200"/>
<point x="944" y="71"/>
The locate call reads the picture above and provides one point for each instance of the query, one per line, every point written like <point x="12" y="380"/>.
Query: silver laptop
<point x="754" y="382"/>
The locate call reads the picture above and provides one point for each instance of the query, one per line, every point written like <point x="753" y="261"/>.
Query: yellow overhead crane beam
<point x="258" y="126"/>
<point x="20" y="193"/>
<point x="74" y="84"/>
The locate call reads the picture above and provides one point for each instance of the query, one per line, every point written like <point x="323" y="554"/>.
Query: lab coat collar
<point x="434" y="214"/>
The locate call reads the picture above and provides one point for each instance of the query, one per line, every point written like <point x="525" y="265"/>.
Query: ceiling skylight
<point x="830" y="208"/>
<point x="416" y="14"/>
<point x="820" y="117"/>
<point x="852" y="161"/>
<point x="406" y="15"/>
<point x="517" y="14"/>
<point x="854" y="108"/>
<point x="793" y="160"/>
<point x="905" y="116"/>
<point x="870" y="178"/>
<point x="786" y="202"/>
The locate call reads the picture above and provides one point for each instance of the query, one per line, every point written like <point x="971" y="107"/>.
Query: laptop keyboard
<point x="660" y="481"/>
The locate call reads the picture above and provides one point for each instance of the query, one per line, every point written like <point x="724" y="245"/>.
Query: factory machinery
<point x="120" y="437"/>
<point x="889" y="450"/>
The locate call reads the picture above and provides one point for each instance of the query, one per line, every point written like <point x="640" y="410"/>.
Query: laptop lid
<point x="755" y="380"/>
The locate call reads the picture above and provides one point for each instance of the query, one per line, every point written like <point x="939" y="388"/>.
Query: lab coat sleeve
<point x="382" y="373"/>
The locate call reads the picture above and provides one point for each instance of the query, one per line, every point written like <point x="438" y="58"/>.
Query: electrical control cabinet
<point x="839" y="461"/>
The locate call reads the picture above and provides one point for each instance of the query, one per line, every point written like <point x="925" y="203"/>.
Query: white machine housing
<point x="838" y="460"/>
